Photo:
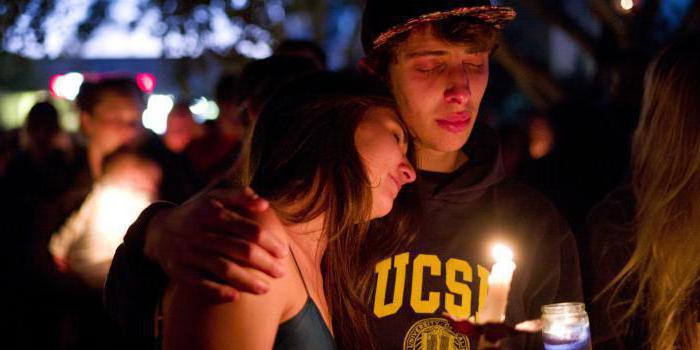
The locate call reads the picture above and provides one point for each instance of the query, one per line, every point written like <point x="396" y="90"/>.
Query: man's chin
<point x="449" y="144"/>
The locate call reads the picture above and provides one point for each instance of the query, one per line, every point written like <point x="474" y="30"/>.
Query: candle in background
<point x="498" y="286"/>
<point x="565" y="327"/>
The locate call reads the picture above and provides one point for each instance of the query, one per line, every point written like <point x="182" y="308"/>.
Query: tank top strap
<point x="301" y="275"/>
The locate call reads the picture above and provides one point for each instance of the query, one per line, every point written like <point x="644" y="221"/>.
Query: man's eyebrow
<point x="475" y="50"/>
<point x="423" y="53"/>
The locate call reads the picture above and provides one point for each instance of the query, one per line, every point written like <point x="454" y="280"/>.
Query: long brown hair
<point x="663" y="270"/>
<point x="303" y="159"/>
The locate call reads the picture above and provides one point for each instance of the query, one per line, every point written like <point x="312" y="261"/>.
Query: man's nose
<point x="458" y="91"/>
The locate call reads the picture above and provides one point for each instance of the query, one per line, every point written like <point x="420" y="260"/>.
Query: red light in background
<point x="53" y="85"/>
<point x="146" y="82"/>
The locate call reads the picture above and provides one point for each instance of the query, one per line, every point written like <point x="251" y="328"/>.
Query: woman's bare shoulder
<point x="193" y="319"/>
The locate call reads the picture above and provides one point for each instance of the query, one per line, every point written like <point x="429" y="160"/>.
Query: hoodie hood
<point x="467" y="183"/>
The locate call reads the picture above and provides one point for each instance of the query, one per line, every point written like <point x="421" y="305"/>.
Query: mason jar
<point x="565" y="327"/>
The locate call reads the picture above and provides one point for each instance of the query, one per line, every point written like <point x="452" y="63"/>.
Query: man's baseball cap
<point x="384" y="19"/>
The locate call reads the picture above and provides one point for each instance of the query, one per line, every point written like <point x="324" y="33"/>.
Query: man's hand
<point x="209" y="241"/>
<point x="490" y="334"/>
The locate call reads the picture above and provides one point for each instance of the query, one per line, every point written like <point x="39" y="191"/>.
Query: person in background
<point x="181" y="128"/>
<point x="83" y="247"/>
<point x="645" y="234"/>
<point x="110" y="112"/>
<point x="220" y="143"/>
<point x="110" y="117"/>
<point x="85" y="244"/>
<point x="37" y="173"/>
<point x="240" y="101"/>
<point x="45" y="149"/>
<point x="48" y="301"/>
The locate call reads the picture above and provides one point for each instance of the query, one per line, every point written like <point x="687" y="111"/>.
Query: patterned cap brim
<point x="494" y="15"/>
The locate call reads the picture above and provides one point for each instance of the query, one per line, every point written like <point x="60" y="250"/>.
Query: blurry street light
<point x="155" y="117"/>
<point x="239" y="4"/>
<point x="204" y="109"/>
<point x="146" y="82"/>
<point x="66" y="85"/>
<point x="626" y="6"/>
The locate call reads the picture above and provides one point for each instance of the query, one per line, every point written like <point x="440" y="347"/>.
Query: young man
<point x="434" y="57"/>
<point x="110" y="117"/>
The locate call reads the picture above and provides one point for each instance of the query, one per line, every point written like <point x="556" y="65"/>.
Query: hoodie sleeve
<point x="134" y="283"/>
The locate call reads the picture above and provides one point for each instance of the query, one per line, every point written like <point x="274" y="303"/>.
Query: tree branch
<point x="559" y="18"/>
<point x="536" y="84"/>
<point x="610" y="19"/>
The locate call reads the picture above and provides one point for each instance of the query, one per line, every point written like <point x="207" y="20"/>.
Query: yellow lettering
<point x="483" y="285"/>
<point x="453" y="266"/>
<point x="418" y="304"/>
<point x="381" y="308"/>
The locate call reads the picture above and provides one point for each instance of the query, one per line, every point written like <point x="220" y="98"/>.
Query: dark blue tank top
<point x="306" y="330"/>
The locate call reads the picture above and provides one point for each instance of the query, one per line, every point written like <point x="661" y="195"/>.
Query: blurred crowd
<point x="68" y="198"/>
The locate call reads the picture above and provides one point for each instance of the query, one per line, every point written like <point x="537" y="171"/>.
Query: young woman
<point x="327" y="165"/>
<point x="652" y="229"/>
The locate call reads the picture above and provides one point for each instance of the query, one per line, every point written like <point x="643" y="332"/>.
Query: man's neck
<point x="438" y="161"/>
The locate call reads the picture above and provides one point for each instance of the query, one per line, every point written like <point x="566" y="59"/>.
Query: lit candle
<point x="627" y="5"/>
<point x="498" y="286"/>
<point x="565" y="327"/>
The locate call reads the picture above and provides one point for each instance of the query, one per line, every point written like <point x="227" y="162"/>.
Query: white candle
<point x="498" y="286"/>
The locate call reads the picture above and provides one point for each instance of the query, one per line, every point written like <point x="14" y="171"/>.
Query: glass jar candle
<point x="565" y="327"/>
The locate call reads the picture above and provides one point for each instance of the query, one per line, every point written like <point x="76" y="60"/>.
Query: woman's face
<point x="381" y="143"/>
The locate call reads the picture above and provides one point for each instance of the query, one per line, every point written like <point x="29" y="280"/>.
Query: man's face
<point x="438" y="87"/>
<point x="115" y="121"/>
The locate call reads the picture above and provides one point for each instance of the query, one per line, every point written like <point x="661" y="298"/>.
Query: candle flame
<point x="626" y="4"/>
<point x="501" y="252"/>
<point x="560" y="332"/>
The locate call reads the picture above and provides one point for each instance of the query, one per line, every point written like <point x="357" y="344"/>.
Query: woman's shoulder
<point x="194" y="319"/>
<point x="276" y="293"/>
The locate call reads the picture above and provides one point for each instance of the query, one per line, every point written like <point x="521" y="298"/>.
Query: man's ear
<point x="365" y="67"/>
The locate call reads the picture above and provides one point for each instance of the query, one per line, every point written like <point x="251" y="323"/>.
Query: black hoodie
<point x="447" y="266"/>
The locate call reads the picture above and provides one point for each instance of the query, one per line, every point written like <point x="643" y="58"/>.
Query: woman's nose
<point x="408" y="173"/>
